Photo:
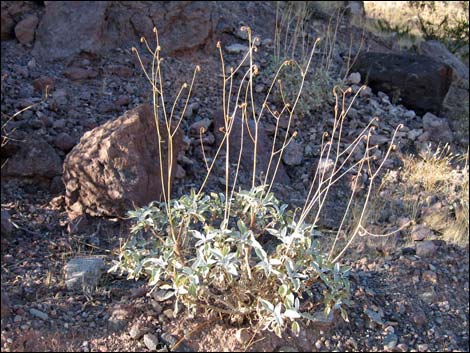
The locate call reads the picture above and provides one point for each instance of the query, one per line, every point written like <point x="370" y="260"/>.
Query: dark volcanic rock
<point x="421" y="82"/>
<point x="116" y="166"/>
<point x="70" y="27"/>
<point x="34" y="158"/>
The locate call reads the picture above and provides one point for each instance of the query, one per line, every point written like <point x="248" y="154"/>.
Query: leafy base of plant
<point x="254" y="264"/>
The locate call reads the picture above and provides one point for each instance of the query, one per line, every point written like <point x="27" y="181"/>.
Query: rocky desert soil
<point x="63" y="197"/>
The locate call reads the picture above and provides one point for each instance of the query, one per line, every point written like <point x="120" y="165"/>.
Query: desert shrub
<point x="243" y="254"/>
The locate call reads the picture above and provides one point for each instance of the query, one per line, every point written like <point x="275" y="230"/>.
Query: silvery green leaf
<point x="277" y="314"/>
<point x="289" y="300"/>
<point x="283" y="290"/>
<point x="292" y="314"/>
<point x="273" y="231"/>
<point x="217" y="253"/>
<point x="232" y="269"/>
<point x="267" y="305"/>
<point x="295" y="328"/>
<point x="241" y="226"/>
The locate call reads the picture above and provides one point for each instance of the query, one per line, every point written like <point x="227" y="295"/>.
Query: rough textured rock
<point x="437" y="128"/>
<point x="263" y="149"/>
<point x="34" y="157"/>
<point x="69" y="28"/>
<point x="425" y="248"/>
<point x="83" y="272"/>
<point x="12" y="12"/>
<point x="421" y="82"/>
<point x="116" y="166"/>
<point x="293" y="154"/>
<point x="25" y="29"/>
<point x="439" y="52"/>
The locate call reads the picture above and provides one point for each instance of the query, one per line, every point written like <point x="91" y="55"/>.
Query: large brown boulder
<point x="419" y="81"/>
<point x="69" y="27"/>
<point x="116" y="166"/>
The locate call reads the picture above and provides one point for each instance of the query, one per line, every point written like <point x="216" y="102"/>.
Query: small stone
<point x="191" y="110"/>
<point x="414" y="134"/>
<point x="410" y="114"/>
<point x="136" y="332"/>
<point x="123" y="100"/>
<point x="419" y="318"/>
<point x="201" y="124"/>
<point x="78" y="74"/>
<point x="39" y="314"/>
<point x="42" y="82"/>
<point x="402" y="347"/>
<point x="169" y="313"/>
<point x="236" y="48"/>
<point x="437" y="128"/>
<point x="366" y="92"/>
<point x="390" y="341"/>
<point x="161" y="295"/>
<point x="379" y="139"/>
<point x="151" y="341"/>
<point x="421" y="232"/>
<point x="83" y="271"/>
<point x="293" y="154"/>
<point x="423" y="347"/>
<point x="64" y="141"/>
<point x="318" y="344"/>
<point x="430" y="276"/>
<point x="26" y="28"/>
<point x="425" y="248"/>
<point x="354" y="78"/>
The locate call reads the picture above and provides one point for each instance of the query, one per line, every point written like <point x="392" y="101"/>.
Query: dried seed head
<point x="134" y="49"/>
<point x="158" y="48"/>
<point x="218" y="45"/>
<point x="185" y="85"/>
<point x="154" y="29"/>
<point x="198" y="68"/>
<point x="142" y="39"/>
<point x="255" y="70"/>
<point x="202" y="130"/>
<point x="294" y="134"/>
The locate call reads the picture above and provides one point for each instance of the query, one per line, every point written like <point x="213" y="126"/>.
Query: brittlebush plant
<point x="243" y="254"/>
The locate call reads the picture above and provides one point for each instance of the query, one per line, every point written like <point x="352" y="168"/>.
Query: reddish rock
<point x="26" y="28"/>
<point x="69" y="27"/>
<point x="64" y="141"/>
<point x="33" y="158"/>
<point x="116" y="166"/>
<point x="77" y="73"/>
<point x="42" y="82"/>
